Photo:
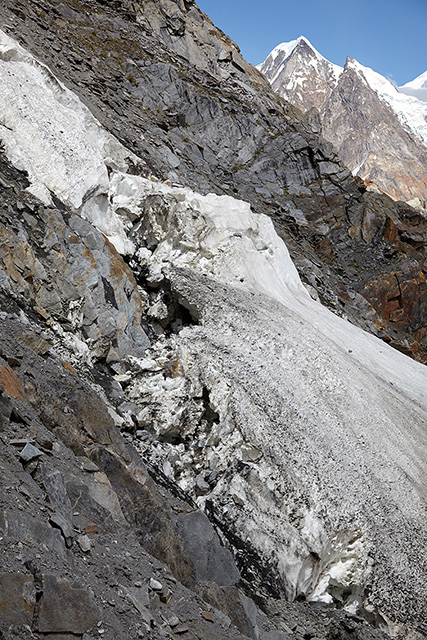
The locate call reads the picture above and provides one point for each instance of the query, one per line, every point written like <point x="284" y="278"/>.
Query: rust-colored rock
<point x="390" y="231"/>
<point x="69" y="368"/>
<point x="325" y="250"/>
<point x="401" y="300"/>
<point x="11" y="384"/>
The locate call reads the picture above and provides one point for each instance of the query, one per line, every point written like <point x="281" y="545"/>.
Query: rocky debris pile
<point x="94" y="543"/>
<point x="175" y="90"/>
<point x="76" y="533"/>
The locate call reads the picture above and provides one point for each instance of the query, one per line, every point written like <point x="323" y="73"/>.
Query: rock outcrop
<point x="193" y="446"/>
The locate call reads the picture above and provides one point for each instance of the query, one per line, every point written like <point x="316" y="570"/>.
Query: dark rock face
<point x="66" y="609"/>
<point x="17" y="599"/>
<point x="211" y="562"/>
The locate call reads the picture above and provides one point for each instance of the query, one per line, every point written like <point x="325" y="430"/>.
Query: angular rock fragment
<point x="155" y="585"/>
<point x="211" y="561"/>
<point x="17" y="599"/>
<point x="59" y="521"/>
<point x="141" y="601"/>
<point x="29" y="453"/>
<point x="64" y="609"/>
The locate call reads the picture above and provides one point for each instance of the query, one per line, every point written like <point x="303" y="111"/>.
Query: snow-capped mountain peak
<point x="379" y="130"/>
<point x="416" y="88"/>
<point x="287" y="48"/>
<point x="297" y="68"/>
<point x="420" y="82"/>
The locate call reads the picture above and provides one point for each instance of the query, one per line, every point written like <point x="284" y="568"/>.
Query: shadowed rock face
<point x="196" y="372"/>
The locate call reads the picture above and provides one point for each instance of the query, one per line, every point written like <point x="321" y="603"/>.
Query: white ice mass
<point x="329" y="423"/>
<point x="47" y="130"/>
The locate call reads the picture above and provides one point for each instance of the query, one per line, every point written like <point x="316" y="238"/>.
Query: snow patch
<point x="420" y="82"/>
<point x="46" y="130"/>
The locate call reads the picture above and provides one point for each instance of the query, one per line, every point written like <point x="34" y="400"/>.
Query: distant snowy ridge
<point x="420" y="82"/>
<point x="411" y="111"/>
<point x="379" y="130"/>
<point x="416" y="88"/>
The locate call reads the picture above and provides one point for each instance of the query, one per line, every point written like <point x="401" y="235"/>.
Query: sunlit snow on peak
<point x="288" y="47"/>
<point x="416" y="88"/>
<point x="281" y="54"/>
<point x="411" y="111"/>
<point x="420" y="82"/>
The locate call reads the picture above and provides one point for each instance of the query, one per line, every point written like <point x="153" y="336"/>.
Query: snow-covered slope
<point x="420" y="82"/>
<point x="308" y="410"/>
<point x="416" y="88"/>
<point x="302" y="435"/>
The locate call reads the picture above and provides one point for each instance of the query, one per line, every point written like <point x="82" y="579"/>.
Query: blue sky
<point x="390" y="36"/>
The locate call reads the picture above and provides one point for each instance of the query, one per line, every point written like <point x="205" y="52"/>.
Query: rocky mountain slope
<point x="176" y="91"/>
<point x="193" y="446"/>
<point x="380" y="132"/>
